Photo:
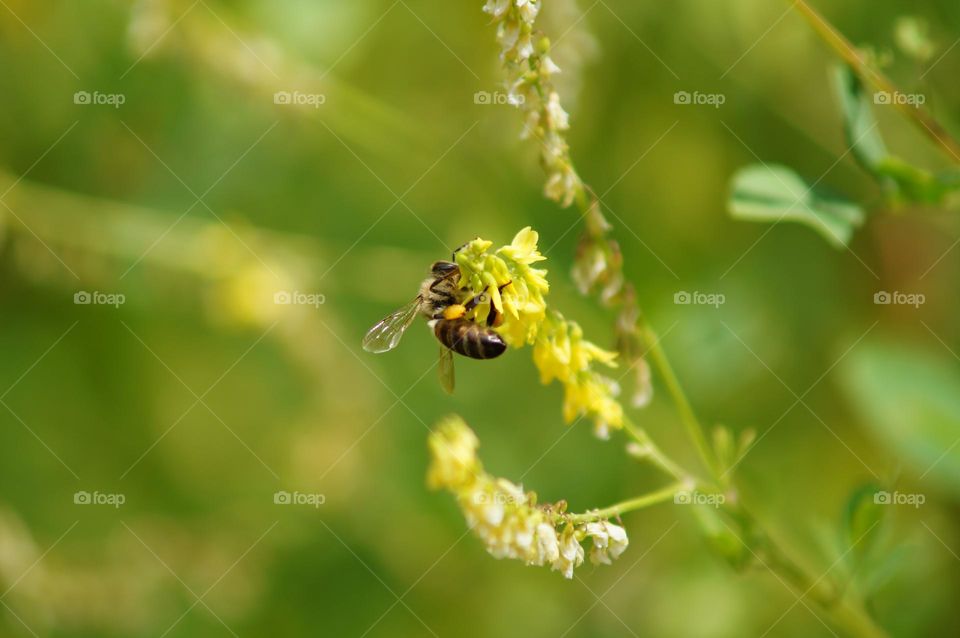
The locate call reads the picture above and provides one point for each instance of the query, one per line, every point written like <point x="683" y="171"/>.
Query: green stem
<point x="639" y="502"/>
<point x="693" y="426"/>
<point x="654" y="453"/>
<point x="843" y="48"/>
<point x="651" y="343"/>
<point x="844" y="612"/>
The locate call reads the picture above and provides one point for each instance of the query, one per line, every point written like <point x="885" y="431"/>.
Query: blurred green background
<point x="198" y="398"/>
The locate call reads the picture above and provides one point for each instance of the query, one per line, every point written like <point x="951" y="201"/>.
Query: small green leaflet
<point x="862" y="517"/>
<point x="774" y="193"/>
<point x="901" y="182"/>
<point x="859" y="124"/>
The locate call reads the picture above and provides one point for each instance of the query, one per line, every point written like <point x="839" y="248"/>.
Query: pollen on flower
<point x="521" y="299"/>
<point x="508" y="520"/>
<point x="517" y="289"/>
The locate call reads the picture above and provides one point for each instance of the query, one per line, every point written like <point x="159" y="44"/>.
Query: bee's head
<point x="443" y="268"/>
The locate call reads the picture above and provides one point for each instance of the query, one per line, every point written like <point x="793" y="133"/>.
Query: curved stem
<point x="843" y="48"/>
<point x="639" y="502"/>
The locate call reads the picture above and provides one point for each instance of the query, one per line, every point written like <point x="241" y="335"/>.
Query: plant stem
<point x="842" y="47"/>
<point x="597" y="227"/>
<point x="844" y="612"/>
<point x="639" y="502"/>
<point x="654" y="453"/>
<point x="689" y="418"/>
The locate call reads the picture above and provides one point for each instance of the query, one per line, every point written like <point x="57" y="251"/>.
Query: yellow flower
<point x="561" y="353"/>
<point x="559" y="349"/>
<point x="524" y="286"/>
<point x="453" y="448"/>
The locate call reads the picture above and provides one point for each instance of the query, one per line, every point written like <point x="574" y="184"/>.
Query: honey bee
<point x="442" y="303"/>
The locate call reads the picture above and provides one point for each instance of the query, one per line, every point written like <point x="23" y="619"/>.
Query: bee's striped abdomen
<point x="469" y="339"/>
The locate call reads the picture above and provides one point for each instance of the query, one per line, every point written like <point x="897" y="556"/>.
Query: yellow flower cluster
<point x="521" y="302"/>
<point x="507" y="519"/>
<point x="561" y="353"/>
<point x="559" y="349"/>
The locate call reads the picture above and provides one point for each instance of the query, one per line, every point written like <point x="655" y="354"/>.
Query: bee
<point x="442" y="303"/>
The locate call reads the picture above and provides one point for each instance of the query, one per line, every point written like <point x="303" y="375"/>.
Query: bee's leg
<point x="494" y="318"/>
<point x="476" y="299"/>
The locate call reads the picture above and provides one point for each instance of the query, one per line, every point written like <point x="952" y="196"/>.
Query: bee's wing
<point x="386" y="333"/>
<point x="446" y="369"/>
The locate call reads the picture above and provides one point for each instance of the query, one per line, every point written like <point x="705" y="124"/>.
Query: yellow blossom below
<point x="508" y="520"/>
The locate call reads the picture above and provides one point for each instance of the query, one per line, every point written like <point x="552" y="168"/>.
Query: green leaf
<point x="901" y="181"/>
<point x="859" y="124"/>
<point x="910" y="399"/>
<point x="862" y="516"/>
<point x="772" y="193"/>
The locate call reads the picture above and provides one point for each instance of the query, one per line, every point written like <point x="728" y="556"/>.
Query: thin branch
<point x="843" y="48"/>
<point x="639" y="502"/>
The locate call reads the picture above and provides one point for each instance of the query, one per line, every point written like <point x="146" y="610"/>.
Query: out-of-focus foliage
<point x="774" y="193"/>
<point x="911" y="398"/>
